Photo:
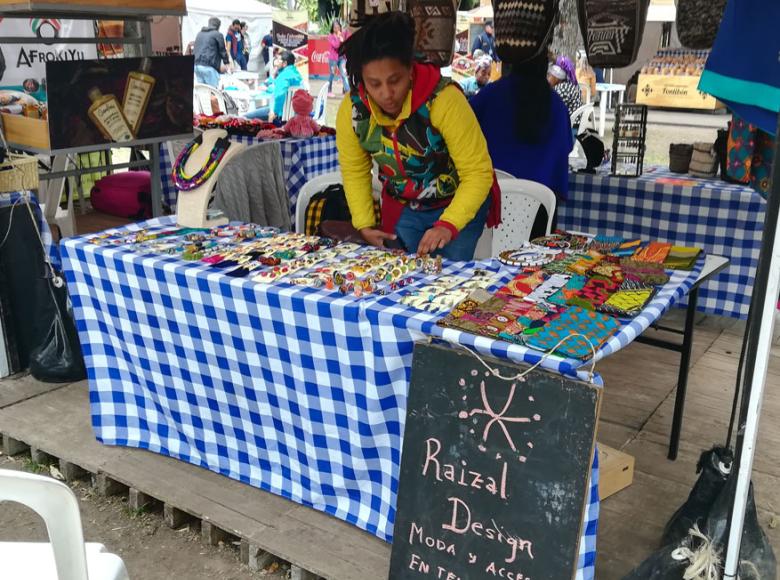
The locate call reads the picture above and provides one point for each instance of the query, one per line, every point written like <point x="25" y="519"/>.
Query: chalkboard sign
<point x="494" y="473"/>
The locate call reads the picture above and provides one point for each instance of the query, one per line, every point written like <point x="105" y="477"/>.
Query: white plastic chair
<point x="321" y="105"/>
<point x="584" y="118"/>
<point x="520" y="202"/>
<point x="309" y="189"/>
<point x="287" y="112"/>
<point x="66" y="557"/>
<point x="201" y="99"/>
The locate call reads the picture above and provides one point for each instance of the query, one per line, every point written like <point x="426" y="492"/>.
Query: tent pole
<point x="766" y="288"/>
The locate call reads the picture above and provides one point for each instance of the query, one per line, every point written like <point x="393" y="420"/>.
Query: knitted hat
<point x="557" y="72"/>
<point x="302" y="102"/>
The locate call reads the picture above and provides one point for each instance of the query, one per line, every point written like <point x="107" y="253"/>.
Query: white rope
<point x="10" y="220"/>
<point x="518" y="376"/>
<point x="704" y="560"/>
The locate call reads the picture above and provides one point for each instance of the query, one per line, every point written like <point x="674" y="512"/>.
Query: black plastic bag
<point x="757" y="559"/>
<point x="58" y="358"/>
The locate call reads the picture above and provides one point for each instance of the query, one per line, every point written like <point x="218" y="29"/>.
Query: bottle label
<point x="136" y="95"/>
<point x="113" y="122"/>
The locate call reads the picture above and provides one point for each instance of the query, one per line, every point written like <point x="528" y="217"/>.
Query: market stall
<point x="724" y="219"/>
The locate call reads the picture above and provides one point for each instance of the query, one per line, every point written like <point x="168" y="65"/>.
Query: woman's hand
<point x="434" y="239"/>
<point x="376" y="237"/>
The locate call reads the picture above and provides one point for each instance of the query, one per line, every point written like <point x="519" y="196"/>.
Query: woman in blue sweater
<point x="527" y="130"/>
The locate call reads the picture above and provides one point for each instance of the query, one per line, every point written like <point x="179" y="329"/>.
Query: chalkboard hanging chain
<point x="496" y="373"/>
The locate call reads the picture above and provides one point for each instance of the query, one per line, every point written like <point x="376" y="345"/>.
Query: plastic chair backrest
<point x="584" y="118"/>
<point x="309" y="189"/>
<point x="321" y="105"/>
<point x="287" y="112"/>
<point x="202" y="97"/>
<point x="59" y="509"/>
<point x="520" y="202"/>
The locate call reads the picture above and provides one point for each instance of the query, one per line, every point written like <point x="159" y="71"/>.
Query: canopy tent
<point x="256" y="14"/>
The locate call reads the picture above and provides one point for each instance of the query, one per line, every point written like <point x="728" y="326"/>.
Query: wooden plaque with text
<point x="494" y="474"/>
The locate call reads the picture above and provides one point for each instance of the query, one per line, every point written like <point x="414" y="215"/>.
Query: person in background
<point x="472" y="85"/>
<point x="233" y="41"/>
<point x="287" y="78"/>
<point x="561" y="82"/>
<point x="247" y="45"/>
<point x="527" y="130"/>
<point x="267" y="44"/>
<point x="486" y="42"/>
<point x="335" y="62"/>
<point x="417" y="127"/>
<point x="210" y="54"/>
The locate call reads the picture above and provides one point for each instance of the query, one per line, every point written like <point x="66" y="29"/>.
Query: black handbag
<point x="612" y="30"/>
<point x="523" y="29"/>
<point x="698" y="22"/>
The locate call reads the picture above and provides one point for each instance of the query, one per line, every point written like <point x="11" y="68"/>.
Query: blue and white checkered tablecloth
<point x="298" y="391"/>
<point x="722" y="218"/>
<point x="303" y="159"/>
<point x="18" y="199"/>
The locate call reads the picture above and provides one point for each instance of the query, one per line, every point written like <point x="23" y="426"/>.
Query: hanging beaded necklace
<point x="184" y="182"/>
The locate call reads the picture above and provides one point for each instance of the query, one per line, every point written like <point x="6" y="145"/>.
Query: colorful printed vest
<point x="415" y="164"/>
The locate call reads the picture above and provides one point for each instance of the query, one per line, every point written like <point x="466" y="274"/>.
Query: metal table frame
<point x="712" y="267"/>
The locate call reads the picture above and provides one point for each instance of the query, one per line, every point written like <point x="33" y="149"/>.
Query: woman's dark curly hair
<point x="388" y="35"/>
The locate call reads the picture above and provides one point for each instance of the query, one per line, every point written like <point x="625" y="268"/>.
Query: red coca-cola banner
<point x="318" y="57"/>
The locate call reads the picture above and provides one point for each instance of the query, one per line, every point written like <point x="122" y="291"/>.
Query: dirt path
<point x="150" y="550"/>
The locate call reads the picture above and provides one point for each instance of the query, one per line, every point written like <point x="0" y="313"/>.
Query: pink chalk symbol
<point x="487" y="374"/>
<point x="497" y="418"/>
<point x="498" y="456"/>
<point x="537" y="417"/>
<point x="531" y="398"/>
<point x="464" y="397"/>
<point x="474" y="372"/>
<point x="462" y="382"/>
<point x="463" y="415"/>
<point x="521" y="459"/>
<point x="530" y="445"/>
<point x="471" y="431"/>
<point x="481" y="448"/>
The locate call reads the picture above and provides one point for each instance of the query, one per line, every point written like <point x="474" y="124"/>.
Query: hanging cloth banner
<point x="434" y="27"/>
<point x="24" y="68"/>
<point x="612" y="30"/>
<point x="698" y="22"/>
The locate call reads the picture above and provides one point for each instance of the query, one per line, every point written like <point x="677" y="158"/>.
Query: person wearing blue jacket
<point x="287" y="78"/>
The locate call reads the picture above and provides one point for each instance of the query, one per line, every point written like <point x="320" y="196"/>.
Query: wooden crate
<point x="678" y="92"/>
<point x="101" y="7"/>
<point x="26" y="131"/>
<point x="616" y="471"/>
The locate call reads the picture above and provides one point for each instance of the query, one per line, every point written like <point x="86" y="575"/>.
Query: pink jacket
<point x="334" y="43"/>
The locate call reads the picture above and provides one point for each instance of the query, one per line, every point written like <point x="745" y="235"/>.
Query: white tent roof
<point x="237" y="8"/>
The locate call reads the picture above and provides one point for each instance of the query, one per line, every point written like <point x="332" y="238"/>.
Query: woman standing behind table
<point x="563" y="80"/>
<point x="527" y="129"/>
<point x="417" y="126"/>
<point x="335" y="62"/>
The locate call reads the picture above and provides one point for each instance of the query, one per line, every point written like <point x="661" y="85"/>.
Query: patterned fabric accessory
<point x="362" y="10"/>
<point x="647" y="273"/>
<point x="523" y="28"/>
<point x="627" y="303"/>
<point x="740" y="148"/>
<point x="434" y="26"/>
<point x="698" y="22"/>
<point x="654" y="252"/>
<point x="560" y="265"/>
<point x="597" y="327"/>
<point x="485" y="317"/>
<point x="563" y="241"/>
<point x="585" y="262"/>
<point x="606" y="269"/>
<point x="627" y="248"/>
<point x="605" y="244"/>
<point x="547" y="288"/>
<point x="612" y="30"/>
<point x="681" y="258"/>
<point x="523" y="284"/>
<point x="574" y="285"/>
<point x="595" y="292"/>
<point x="763" y="156"/>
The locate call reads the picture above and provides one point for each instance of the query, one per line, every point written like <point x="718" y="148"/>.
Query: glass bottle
<point x="107" y="116"/>
<point x="138" y="90"/>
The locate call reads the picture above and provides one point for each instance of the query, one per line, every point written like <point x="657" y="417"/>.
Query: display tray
<point x="26" y="131"/>
<point x="102" y="7"/>
<point x="677" y="92"/>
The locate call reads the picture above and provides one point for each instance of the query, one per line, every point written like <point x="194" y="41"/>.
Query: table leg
<point x="602" y="113"/>
<point x="682" y="378"/>
<point x="154" y="156"/>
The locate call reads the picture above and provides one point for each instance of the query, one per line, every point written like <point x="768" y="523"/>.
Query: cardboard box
<point x="101" y="7"/>
<point x="26" y="131"/>
<point x="677" y="92"/>
<point x="616" y="471"/>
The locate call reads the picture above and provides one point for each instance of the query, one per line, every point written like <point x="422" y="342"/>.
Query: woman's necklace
<point x="184" y="182"/>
